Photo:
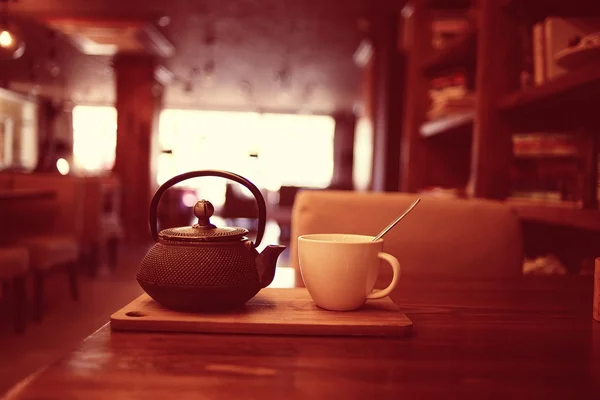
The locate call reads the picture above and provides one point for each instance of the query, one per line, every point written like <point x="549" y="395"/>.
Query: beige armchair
<point x="441" y="237"/>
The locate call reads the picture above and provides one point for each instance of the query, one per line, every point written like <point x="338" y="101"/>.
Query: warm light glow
<point x="6" y="39"/>
<point x="189" y="199"/>
<point x="94" y="138"/>
<point x="62" y="166"/>
<point x="269" y="149"/>
<point x="363" y="154"/>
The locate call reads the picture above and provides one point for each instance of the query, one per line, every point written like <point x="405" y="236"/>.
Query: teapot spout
<point x="266" y="263"/>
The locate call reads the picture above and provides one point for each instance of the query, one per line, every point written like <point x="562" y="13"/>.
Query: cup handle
<point x="393" y="261"/>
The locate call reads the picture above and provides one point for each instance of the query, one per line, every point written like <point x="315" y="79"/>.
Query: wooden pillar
<point x="46" y="117"/>
<point x="138" y="103"/>
<point x="343" y="150"/>
<point x="416" y="44"/>
<point x="387" y="80"/>
<point x="498" y="66"/>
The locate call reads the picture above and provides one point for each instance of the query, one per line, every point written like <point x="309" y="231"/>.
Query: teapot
<point x="202" y="267"/>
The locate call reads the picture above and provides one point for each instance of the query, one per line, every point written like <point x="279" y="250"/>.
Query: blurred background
<point x="102" y="101"/>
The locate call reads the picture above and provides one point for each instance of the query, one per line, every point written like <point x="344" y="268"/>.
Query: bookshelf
<point x="562" y="213"/>
<point x="492" y="55"/>
<point x="569" y="94"/>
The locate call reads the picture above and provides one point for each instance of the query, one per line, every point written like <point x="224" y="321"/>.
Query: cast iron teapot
<point x="202" y="267"/>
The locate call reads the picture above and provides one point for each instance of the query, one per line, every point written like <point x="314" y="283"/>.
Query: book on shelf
<point x="552" y="35"/>
<point x="449" y="95"/>
<point x="546" y="166"/>
<point x="544" y="144"/>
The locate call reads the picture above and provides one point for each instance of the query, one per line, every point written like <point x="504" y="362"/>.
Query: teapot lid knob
<point x="203" y="210"/>
<point x="203" y="231"/>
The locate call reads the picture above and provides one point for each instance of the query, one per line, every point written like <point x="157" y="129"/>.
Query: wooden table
<point x="525" y="338"/>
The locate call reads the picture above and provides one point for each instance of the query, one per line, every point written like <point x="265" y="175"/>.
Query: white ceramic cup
<point x="340" y="270"/>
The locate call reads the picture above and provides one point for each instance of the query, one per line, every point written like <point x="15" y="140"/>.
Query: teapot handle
<point x="260" y="201"/>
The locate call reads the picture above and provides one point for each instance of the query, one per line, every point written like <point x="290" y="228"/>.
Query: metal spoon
<point x="390" y="226"/>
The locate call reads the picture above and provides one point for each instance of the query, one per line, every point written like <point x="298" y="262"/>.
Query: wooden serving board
<point x="271" y="311"/>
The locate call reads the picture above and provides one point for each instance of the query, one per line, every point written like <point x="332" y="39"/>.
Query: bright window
<point x="94" y="138"/>
<point x="269" y="149"/>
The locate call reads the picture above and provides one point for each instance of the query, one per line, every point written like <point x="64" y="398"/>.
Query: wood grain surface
<point x="529" y="338"/>
<point x="271" y="311"/>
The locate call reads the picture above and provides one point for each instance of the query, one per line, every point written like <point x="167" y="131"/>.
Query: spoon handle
<point x="390" y="226"/>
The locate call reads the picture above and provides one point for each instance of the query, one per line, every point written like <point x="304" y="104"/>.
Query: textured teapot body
<point x="217" y="275"/>
<point x="202" y="267"/>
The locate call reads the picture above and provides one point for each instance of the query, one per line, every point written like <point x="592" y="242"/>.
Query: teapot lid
<point x="203" y="231"/>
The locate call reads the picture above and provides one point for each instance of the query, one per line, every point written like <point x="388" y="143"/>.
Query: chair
<point x="102" y="229"/>
<point x="112" y="232"/>
<point x="111" y="229"/>
<point x="441" y="237"/>
<point x="55" y="243"/>
<point x="14" y="264"/>
<point x="86" y="210"/>
<point x="46" y="253"/>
